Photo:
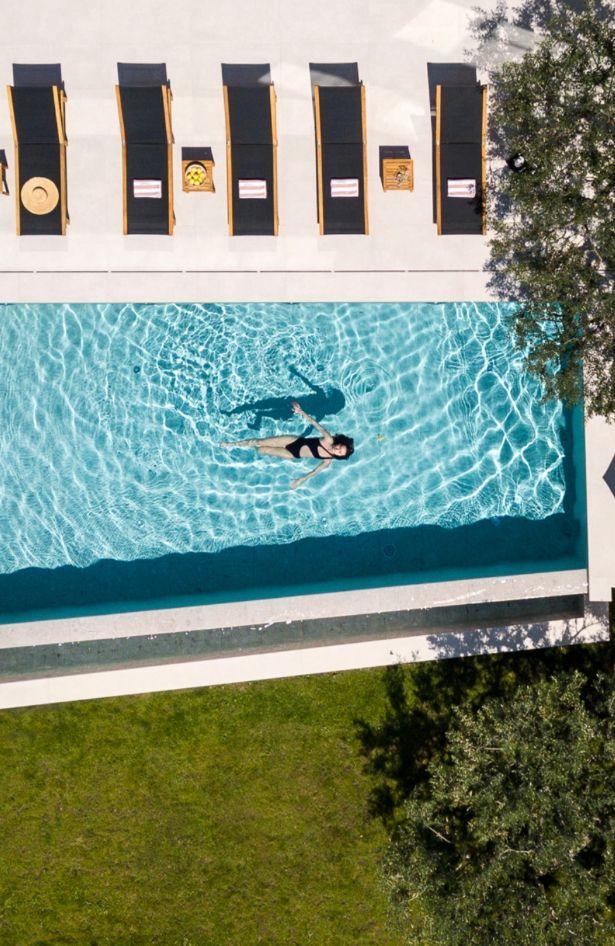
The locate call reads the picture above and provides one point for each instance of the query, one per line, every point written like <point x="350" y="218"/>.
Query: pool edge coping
<point x="591" y="628"/>
<point x="266" y="611"/>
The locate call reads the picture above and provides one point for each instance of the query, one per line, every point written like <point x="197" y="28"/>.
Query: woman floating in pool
<point x="326" y="448"/>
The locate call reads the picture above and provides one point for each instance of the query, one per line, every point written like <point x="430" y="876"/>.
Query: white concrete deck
<point x="402" y="259"/>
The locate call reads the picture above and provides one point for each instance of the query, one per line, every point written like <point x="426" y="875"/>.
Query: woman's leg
<point x="281" y="452"/>
<point x="282" y="441"/>
<point x="238" y="443"/>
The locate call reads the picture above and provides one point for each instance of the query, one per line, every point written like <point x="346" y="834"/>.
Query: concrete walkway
<point x="299" y="661"/>
<point x="401" y="259"/>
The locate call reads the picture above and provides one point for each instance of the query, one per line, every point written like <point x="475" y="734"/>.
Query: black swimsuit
<point x="313" y="443"/>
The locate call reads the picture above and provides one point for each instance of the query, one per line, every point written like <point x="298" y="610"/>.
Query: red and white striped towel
<point x="253" y="190"/>
<point x="147" y="188"/>
<point x="461" y="187"/>
<point x="344" y="187"/>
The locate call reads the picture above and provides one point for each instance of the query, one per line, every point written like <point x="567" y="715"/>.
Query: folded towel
<point x="461" y="187"/>
<point x="253" y="190"/>
<point x="344" y="187"/>
<point x="147" y="188"/>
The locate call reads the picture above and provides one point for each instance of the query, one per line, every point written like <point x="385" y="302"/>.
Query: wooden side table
<point x="4" y="188"/>
<point x="201" y="162"/>
<point x="396" y="168"/>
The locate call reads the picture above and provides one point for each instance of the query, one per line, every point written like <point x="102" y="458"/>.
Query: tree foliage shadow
<point x="505" y="33"/>
<point x="509" y="30"/>
<point x="421" y="701"/>
<point x="511" y="638"/>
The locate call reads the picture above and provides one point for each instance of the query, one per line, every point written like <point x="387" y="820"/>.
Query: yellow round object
<point x="39" y="195"/>
<point x="195" y="174"/>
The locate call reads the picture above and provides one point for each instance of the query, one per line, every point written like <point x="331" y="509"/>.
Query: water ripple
<point x="112" y="415"/>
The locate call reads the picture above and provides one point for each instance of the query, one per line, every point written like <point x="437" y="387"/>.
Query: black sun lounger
<point x="460" y="159"/>
<point x="251" y="150"/>
<point x="37" y="108"/>
<point x="144" y="106"/>
<point x="341" y="163"/>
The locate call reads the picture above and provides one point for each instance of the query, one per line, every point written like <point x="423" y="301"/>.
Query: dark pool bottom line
<point x="383" y="558"/>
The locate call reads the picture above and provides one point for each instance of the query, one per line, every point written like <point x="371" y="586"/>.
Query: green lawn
<point x="232" y="815"/>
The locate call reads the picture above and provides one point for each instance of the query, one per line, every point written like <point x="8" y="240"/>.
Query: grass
<point x="215" y="817"/>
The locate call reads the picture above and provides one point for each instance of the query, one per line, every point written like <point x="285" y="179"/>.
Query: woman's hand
<point x="297" y="409"/>
<point x="303" y="479"/>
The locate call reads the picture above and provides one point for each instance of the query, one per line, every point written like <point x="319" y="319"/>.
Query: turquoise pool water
<point x="112" y="417"/>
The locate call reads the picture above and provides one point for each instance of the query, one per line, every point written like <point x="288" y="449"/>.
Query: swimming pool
<point x="112" y="478"/>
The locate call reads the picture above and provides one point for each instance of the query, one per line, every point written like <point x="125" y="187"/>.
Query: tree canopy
<point x="510" y="839"/>
<point x="553" y="246"/>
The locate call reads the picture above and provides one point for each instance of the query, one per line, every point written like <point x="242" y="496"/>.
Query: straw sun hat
<point x="39" y="195"/>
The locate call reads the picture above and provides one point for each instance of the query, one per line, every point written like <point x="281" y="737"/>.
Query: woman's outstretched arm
<point x="317" y="469"/>
<point x="299" y="410"/>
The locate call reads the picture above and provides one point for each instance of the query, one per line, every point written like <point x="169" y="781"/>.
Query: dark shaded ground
<point x="421" y="701"/>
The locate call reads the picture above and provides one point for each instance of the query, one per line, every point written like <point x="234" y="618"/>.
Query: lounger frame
<point x="167" y="97"/>
<point x="59" y="105"/>
<point x="319" y="160"/>
<point x="229" y="159"/>
<point x="438" y="148"/>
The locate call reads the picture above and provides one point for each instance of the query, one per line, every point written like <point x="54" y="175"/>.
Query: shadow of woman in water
<point x="322" y="402"/>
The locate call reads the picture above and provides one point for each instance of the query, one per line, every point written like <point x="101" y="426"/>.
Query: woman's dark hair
<point x="344" y="441"/>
